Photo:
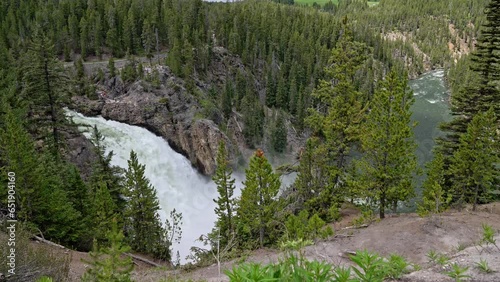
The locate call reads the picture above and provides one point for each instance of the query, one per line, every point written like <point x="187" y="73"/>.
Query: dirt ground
<point x="453" y="233"/>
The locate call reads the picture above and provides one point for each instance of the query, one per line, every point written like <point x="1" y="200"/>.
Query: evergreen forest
<point x="335" y="73"/>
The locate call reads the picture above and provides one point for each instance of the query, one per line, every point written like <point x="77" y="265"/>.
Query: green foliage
<point x="294" y="267"/>
<point x="342" y="274"/>
<point x="488" y="236"/>
<point x="173" y="231"/>
<point x="45" y="89"/>
<point x="483" y="266"/>
<point x="44" y="279"/>
<point x="225" y="202"/>
<point x="389" y="161"/>
<point x="106" y="264"/>
<point x="433" y="256"/>
<point x="437" y="258"/>
<point x="142" y="221"/>
<point x="435" y="198"/>
<point x="474" y="162"/>
<point x="257" y="204"/>
<point x="368" y="266"/>
<point x="129" y="72"/>
<point x="458" y="272"/>
<point x="253" y="120"/>
<point x="111" y="67"/>
<point x="279" y="134"/>
<point x="397" y="266"/>
<point x="336" y="119"/>
<point x="471" y="97"/>
<point x="302" y="227"/>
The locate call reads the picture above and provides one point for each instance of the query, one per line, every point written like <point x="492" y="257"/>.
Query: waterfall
<point x="178" y="184"/>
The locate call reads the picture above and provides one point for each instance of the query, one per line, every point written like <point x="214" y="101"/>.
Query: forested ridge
<point x="337" y="74"/>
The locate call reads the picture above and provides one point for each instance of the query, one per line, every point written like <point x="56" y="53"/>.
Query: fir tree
<point x="225" y="202"/>
<point x="107" y="263"/>
<point x="389" y="160"/>
<point x="227" y="97"/>
<point x="103" y="173"/>
<point x="474" y="163"/>
<point x="18" y="154"/>
<point x="45" y="89"/>
<point x="482" y="91"/>
<point x="258" y="200"/>
<point x="111" y="67"/>
<point x="143" y="223"/>
<point x="101" y="212"/>
<point x="279" y="136"/>
<point x="337" y="115"/>
<point x="434" y="196"/>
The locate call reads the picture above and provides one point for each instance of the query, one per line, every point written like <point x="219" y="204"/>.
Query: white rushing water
<point x="177" y="183"/>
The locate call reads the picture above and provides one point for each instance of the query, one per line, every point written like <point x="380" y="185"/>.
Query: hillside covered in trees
<point x="253" y="73"/>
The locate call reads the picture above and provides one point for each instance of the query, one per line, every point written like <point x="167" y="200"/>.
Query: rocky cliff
<point x="167" y="110"/>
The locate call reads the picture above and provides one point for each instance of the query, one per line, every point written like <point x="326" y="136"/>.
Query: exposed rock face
<point x="168" y="111"/>
<point x="80" y="151"/>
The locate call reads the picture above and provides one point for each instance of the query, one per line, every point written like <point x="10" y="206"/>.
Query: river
<point x="180" y="186"/>
<point x="431" y="108"/>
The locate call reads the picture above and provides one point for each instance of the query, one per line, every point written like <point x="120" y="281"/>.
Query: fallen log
<point x="143" y="260"/>
<point x="355" y="227"/>
<point x="40" y="239"/>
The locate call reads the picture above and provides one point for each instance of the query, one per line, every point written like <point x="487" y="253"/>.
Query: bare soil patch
<point x="408" y="235"/>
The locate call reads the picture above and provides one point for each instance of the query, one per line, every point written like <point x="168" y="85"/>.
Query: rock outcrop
<point x="168" y="111"/>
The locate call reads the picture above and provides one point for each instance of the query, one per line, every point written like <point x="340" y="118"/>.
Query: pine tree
<point x="258" y="200"/>
<point x="101" y="212"/>
<point x="270" y="89"/>
<point x="143" y="225"/>
<point x="434" y="196"/>
<point x="225" y="202"/>
<point x="389" y="160"/>
<point x="474" y="162"/>
<point x="107" y="263"/>
<point x="103" y="173"/>
<point x="337" y="114"/>
<point x="18" y="155"/>
<point x="227" y="98"/>
<point x="45" y="90"/>
<point x="482" y="92"/>
<point x="148" y="39"/>
<point x="111" y="67"/>
<point x="279" y="136"/>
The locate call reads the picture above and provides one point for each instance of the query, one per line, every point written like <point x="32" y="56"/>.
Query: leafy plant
<point x="370" y="267"/>
<point x="253" y="272"/>
<point x="433" y="256"/>
<point x="483" y="266"/>
<point x="458" y="272"/>
<point x="396" y="266"/>
<point x="44" y="279"/>
<point x="438" y="258"/>
<point x="442" y="259"/>
<point x="342" y="274"/>
<point x="488" y="236"/>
